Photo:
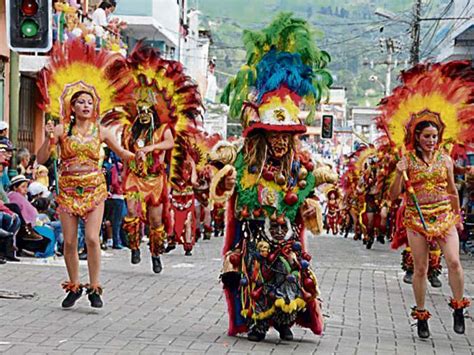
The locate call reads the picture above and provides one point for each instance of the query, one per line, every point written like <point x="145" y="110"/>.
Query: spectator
<point x="28" y="238"/>
<point x="25" y="163"/>
<point x="100" y="15"/>
<point x="41" y="175"/>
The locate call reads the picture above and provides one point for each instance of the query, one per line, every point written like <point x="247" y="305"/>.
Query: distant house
<point x="459" y="43"/>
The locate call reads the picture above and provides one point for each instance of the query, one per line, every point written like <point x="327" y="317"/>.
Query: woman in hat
<point x="79" y="86"/>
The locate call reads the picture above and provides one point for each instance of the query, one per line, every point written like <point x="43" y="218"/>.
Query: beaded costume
<point x="267" y="276"/>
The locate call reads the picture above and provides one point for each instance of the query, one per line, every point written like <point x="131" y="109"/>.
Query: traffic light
<point x="29" y="25"/>
<point x="327" y="126"/>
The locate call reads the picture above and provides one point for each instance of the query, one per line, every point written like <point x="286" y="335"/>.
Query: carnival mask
<point x="279" y="144"/>
<point x="145" y="115"/>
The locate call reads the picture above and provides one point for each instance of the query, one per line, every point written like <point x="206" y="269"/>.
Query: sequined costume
<point x="81" y="192"/>
<point x="430" y="184"/>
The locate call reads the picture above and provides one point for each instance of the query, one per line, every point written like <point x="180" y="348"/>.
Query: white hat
<point x="37" y="188"/>
<point x="18" y="180"/>
<point x="3" y="125"/>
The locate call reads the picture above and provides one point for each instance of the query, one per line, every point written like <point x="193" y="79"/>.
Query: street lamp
<point x="375" y="79"/>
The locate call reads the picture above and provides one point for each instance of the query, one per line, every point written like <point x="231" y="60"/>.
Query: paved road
<point x="182" y="310"/>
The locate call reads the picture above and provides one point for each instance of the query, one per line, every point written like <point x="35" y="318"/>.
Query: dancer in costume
<point x="267" y="276"/>
<point x="432" y="106"/>
<point x="333" y="211"/>
<point x="78" y="87"/>
<point x="182" y="214"/>
<point x="166" y="101"/>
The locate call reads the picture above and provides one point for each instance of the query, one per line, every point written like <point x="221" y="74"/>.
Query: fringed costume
<point x="441" y="95"/>
<point x="166" y="101"/>
<point x="267" y="276"/>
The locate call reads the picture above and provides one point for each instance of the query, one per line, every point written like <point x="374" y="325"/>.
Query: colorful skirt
<point x="81" y="194"/>
<point x="151" y="189"/>
<point x="439" y="219"/>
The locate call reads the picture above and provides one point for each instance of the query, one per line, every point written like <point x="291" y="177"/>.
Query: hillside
<point x="349" y="31"/>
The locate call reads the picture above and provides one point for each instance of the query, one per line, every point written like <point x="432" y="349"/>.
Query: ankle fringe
<point x="69" y="286"/>
<point x="420" y="314"/>
<point x="94" y="289"/>
<point x="459" y="304"/>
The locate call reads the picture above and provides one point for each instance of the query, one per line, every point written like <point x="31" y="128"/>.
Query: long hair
<point x="256" y="148"/>
<point x="418" y="129"/>
<point x="73" y="114"/>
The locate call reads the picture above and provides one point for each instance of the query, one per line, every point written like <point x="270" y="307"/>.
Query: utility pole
<point x="415" y="34"/>
<point x="391" y="47"/>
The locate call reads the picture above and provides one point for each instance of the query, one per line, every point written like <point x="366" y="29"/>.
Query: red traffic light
<point x="29" y="7"/>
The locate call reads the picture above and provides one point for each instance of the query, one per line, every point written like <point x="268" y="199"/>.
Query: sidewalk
<point x="182" y="310"/>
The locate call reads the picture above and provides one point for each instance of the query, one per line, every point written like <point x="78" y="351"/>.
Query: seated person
<point x="27" y="238"/>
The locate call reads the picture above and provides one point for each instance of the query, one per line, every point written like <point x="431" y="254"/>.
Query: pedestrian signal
<point x="327" y="126"/>
<point x="29" y="25"/>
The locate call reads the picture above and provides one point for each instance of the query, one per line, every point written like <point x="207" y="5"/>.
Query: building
<point x="363" y="123"/>
<point x="459" y="42"/>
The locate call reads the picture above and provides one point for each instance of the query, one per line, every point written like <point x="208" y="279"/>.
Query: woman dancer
<point x="431" y="107"/>
<point x="82" y="187"/>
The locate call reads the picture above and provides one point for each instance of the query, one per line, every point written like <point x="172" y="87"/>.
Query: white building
<point x="459" y="44"/>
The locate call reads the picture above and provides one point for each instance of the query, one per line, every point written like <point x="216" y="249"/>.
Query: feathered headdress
<point x="163" y="84"/>
<point x="439" y="93"/>
<point x="284" y="69"/>
<point x="75" y="66"/>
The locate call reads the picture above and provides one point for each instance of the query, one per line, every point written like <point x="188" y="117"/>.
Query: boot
<point x="2" y="260"/>
<point x="27" y="233"/>
<point x="459" y="325"/>
<point x="408" y="278"/>
<point x="422" y="316"/>
<point x="423" y="329"/>
<point x="458" y="314"/>
<point x="136" y="256"/>
<point x="435" y="281"/>
<point x="156" y="263"/>
<point x="285" y="332"/>
<point x="74" y="292"/>
<point x="255" y="335"/>
<point x="93" y="294"/>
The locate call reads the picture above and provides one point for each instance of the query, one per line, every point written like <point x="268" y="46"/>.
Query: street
<point x="182" y="310"/>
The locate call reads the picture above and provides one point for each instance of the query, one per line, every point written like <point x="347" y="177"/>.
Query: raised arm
<point x="52" y="134"/>
<point x="397" y="185"/>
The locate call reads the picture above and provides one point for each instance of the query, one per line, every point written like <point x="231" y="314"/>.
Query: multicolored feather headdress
<point x="284" y="69"/>
<point x="439" y="93"/>
<point x="163" y="84"/>
<point x="75" y="66"/>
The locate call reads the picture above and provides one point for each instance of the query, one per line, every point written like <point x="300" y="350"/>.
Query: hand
<point x="460" y="227"/>
<point x="147" y="149"/>
<point x="49" y="129"/>
<point x="139" y="155"/>
<point x="402" y="165"/>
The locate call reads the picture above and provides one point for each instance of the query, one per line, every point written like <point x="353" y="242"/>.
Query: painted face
<point x="279" y="144"/>
<point x="144" y="115"/>
<point x="428" y="139"/>
<point x="84" y="106"/>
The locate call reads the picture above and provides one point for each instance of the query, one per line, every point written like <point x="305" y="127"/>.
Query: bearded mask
<point x="279" y="144"/>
